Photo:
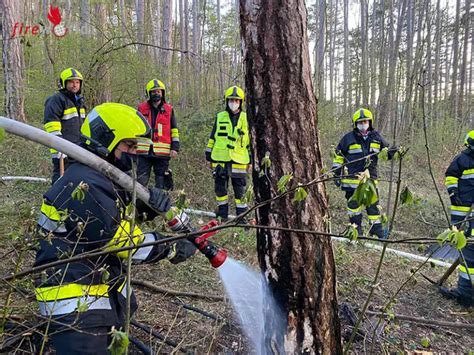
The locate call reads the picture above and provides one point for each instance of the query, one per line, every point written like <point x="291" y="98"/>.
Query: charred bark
<point x="299" y="268"/>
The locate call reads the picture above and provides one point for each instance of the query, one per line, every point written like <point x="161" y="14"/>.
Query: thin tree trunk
<point x="299" y="269"/>
<point x="462" y="72"/>
<point x="347" y="70"/>
<point x="437" y="58"/>
<point x="196" y="50"/>
<point x="85" y="18"/>
<point x="219" y="46"/>
<point x="13" y="62"/>
<point x="167" y="35"/>
<point x="455" y="50"/>
<point x="364" y="82"/>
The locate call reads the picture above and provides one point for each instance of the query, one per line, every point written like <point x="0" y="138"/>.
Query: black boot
<point x="377" y="230"/>
<point x="463" y="294"/>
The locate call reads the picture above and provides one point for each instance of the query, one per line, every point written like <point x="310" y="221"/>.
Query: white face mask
<point x="234" y="106"/>
<point x="363" y="127"/>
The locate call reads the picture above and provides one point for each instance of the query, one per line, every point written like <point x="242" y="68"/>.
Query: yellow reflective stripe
<point x="375" y="145"/>
<point x="373" y="217"/>
<point x="52" y="126"/>
<point x="210" y="143"/>
<point x="468" y="172"/>
<point x="123" y="238"/>
<point x="222" y="198"/>
<point x="451" y="180"/>
<point x="69" y="111"/>
<point x="350" y="181"/>
<point x="53" y="151"/>
<point x="174" y="133"/>
<point x="61" y="292"/>
<point x="460" y="208"/>
<point x="50" y="211"/>
<point x="355" y="146"/>
<point x="338" y="159"/>
<point x="214" y="165"/>
<point x="355" y="210"/>
<point x="239" y="166"/>
<point x="82" y="110"/>
<point x="466" y="270"/>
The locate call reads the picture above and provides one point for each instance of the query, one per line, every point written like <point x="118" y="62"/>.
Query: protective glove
<point x="62" y="155"/>
<point x="159" y="200"/>
<point x="180" y="251"/>
<point x="454" y="197"/>
<point x="337" y="182"/>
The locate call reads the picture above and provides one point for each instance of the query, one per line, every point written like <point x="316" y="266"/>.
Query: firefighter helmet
<point x="234" y="92"/>
<point x="362" y="114"/>
<point x="69" y="74"/>
<point x="155" y="84"/>
<point x="109" y="123"/>
<point x="469" y="140"/>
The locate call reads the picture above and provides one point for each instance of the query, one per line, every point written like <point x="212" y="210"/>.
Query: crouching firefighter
<point x="85" y="298"/>
<point x="460" y="185"/>
<point x="356" y="152"/>
<point x="228" y="152"/>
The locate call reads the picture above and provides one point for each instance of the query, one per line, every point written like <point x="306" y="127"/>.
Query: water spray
<point x="180" y="222"/>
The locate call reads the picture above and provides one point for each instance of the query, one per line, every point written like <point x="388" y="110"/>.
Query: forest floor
<point x="356" y="268"/>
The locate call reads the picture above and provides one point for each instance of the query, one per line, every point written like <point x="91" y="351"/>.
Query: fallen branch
<point x="439" y="323"/>
<point x="155" y="288"/>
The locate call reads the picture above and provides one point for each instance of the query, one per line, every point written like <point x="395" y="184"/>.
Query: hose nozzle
<point x="181" y="223"/>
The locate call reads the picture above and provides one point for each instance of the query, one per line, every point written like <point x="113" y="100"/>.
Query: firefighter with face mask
<point x="85" y="298"/>
<point x="363" y="141"/>
<point x="165" y="136"/>
<point x="459" y="182"/>
<point x="64" y="113"/>
<point x="228" y="152"/>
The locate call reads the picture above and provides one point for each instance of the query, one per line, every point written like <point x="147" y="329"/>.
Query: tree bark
<point x="299" y="268"/>
<point x="13" y="62"/>
<point x="167" y="35"/>
<point x="196" y="49"/>
<point x="347" y="70"/>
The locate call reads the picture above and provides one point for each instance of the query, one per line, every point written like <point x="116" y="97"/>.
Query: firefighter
<point x="362" y="141"/>
<point x="228" y="152"/>
<point x="165" y="136"/>
<point x="64" y="113"/>
<point x="460" y="185"/>
<point x="85" y="298"/>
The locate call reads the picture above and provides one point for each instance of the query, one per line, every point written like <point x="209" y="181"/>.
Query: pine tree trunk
<point x="13" y="62"/>
<point x="167" y="34"/>
<point x="298" y="267"/>
<point x="347" y="70"/>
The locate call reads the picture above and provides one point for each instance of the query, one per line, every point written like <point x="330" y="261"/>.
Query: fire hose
<point x="179" y="222"/>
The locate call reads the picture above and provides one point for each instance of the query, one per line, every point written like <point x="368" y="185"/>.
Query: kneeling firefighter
<point x="85" y="298"/>
<point x="460" y="185"/>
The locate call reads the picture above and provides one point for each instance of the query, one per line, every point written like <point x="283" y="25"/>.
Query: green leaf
<point x="284" y="180"/>
<point x="182" y="201"/>
<point x="351" y="232"/>
<point x="444" y="236"/>
<point x="366" y="193"/>
<point x="406" y="197"/>
<point x="425" y="342"/>
<point x="266" y="162"/>
<point x="300" y="194"/>
<point x="2" y="134"/>
<point x="459" y="240"/>
<point x="169" y="215"/>
<point x="248" y="196"/>
<point x="82" y="306"/>
<point x="383" y="155"/>
<point x="119" y="343"/>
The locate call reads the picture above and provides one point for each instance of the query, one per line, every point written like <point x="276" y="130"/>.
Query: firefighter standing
<point x="460" y="185"/>
<point x="361" y="142"/>
<point x="165" y="136"/>
<point x="85" y="298"/>
<point x="228" y="151"/>
<point x="64" y="113"/>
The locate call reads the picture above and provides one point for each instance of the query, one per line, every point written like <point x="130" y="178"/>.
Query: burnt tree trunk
<point x="298" y="267"/>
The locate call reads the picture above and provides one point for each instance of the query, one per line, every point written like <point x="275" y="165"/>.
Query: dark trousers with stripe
<point x="88" y="341"/>
<point x="373" y="213"/>
<point x="146" y="164"/>
<point x="222" y="173"/>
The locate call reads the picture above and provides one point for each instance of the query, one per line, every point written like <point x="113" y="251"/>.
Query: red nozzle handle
<point x="212" y="223"/>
